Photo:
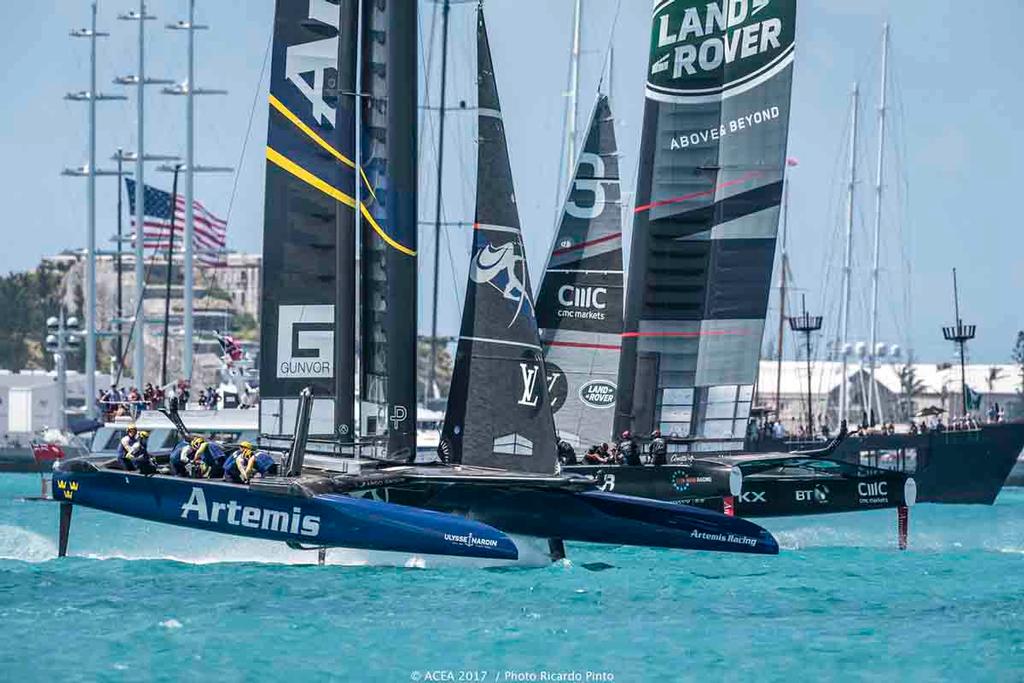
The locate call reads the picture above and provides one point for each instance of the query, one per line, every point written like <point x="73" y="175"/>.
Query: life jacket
<point x="214" y="455"/>
<point x="629" y="452"/>
<point x="659" y="451"/>
<point x="264" y="463"/>
<point x="566" y="453"/>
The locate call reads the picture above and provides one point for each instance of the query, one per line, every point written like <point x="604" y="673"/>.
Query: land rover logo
<point x="704" y="51"/>
<point x="598" y="393"/>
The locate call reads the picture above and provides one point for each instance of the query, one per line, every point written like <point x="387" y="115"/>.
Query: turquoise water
<point x="141" y="602"/>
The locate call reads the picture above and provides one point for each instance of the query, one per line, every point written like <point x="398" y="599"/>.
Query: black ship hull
<point x="773" y="485"/>
<point x="966" y="466"/>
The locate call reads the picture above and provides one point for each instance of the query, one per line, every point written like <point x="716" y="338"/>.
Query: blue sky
<point x="952" y="161"/>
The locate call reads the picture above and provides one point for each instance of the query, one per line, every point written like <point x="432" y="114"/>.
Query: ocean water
<point x="140" y="601"/>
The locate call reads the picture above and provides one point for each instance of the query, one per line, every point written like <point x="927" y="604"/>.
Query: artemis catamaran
<point x="343" y="87"/>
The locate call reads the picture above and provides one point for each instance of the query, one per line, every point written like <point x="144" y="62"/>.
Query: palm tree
<point x="910" y="387"/>
<point x="994" y="373"/>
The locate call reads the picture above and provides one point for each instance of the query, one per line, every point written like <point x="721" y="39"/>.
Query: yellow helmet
<point x="144" y="434"/>
<point x="196" y="442"/>
<point x="131" y="429"/>
<point x="245" y="446"/>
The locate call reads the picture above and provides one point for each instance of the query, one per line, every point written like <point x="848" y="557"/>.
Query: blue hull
<point x="327" y="520"/>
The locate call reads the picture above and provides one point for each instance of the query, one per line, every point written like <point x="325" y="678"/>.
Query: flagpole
<point x="170" y="269"/>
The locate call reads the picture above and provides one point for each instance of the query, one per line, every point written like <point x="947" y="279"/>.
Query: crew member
<point x="187" y="457"/>
<point x="628" y="450"/>
<point x="659" y="449"/>
<point x="264" y="464"/>
<point x="239" y="466"/>
<point x="566" y="453"/>
<point x="128" y="447"/>
<point x="143" y="460"/>
<point x="211" y="460"/>
<point x="593" y="456"/>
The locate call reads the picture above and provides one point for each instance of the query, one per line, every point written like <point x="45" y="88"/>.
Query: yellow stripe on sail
<point x="305" y="176"/>
<point x="297" y="122"/>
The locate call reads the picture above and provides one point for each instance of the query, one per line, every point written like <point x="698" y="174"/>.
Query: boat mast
<point x="346" y="224"/>
<point x="574" y="88"/>
<point x="872" y="351"/>
<point x="848" y="255"/>
<point x="567" y="163"/>
<point x="432" y="382"/>
<point x="782" y="297"/>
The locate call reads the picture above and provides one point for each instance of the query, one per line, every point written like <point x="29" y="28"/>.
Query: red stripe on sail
<point x="581" y="345"/>
<point x="746" y="177"/>
<point x="584" y="245"/>
<point x="709" y="333"/>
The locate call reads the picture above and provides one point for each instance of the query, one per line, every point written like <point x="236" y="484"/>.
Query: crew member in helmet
<point x="566" y="453"/>
<point x="211" y="460"/>
<point x="144" y="462"/>
<point x="129" y="447"/>
<point x="659" y="449"/>
<point x="239" y="466"/>
<point x="628" y="450"/>
<point x="186" y="457"/>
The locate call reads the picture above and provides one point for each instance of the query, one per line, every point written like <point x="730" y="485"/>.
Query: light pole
<point x="140" y="82"/>
<point x="63" y="337"/>
<point x="960" y="334"/>
<point x="806" y="324"/>
<point x="189" y="90"/>
<point x="90" y="172"/>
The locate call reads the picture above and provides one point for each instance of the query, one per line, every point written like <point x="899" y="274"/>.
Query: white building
<point x="30" y="401"/>
<point x="903" y="390"/>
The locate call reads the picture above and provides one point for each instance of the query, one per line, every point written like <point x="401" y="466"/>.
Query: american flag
<point x="209" y="231"/>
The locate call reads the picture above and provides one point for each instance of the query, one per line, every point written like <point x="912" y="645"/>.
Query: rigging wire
<point x="248" y="128"/>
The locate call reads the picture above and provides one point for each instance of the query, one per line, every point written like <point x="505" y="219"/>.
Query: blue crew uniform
<point x="265" y="464"/>
<point x="213" y="459"/>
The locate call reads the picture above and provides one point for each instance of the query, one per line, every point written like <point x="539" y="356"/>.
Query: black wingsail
<point x="499" y="412"/>
<point x="579" y="305"/>
<point x="309" y="188"/>
<point x="712" y="159"/>
<point x="388" y="239"/>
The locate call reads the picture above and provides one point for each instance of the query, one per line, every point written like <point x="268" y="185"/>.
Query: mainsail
<point x="579" y="304"/>
<point x="499" y="413"/>
<point x="712" y="160"/>
<point x="309" y="187"/>
<point x="310" y="283"/>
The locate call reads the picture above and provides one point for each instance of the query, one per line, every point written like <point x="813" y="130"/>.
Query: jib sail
<point x="579" y="305"/>
<point x="309" y="189"/>
<point x="709" y="185"/>
<point x="499" y="414"/>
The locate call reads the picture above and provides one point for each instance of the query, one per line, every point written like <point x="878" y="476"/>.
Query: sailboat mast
<point x="848" y="255"/>
<point x="567" y="163"/>
<point x="432" y="382"/>
<point x="346" y="227"/>
<point x="782" y="297"/>
<point x="878" y="227"/>
<point x="574" y="89"/>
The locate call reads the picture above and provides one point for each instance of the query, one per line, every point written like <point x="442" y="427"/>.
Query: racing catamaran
<point x="712" y="159"/>
<point x="500" y="479"/>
